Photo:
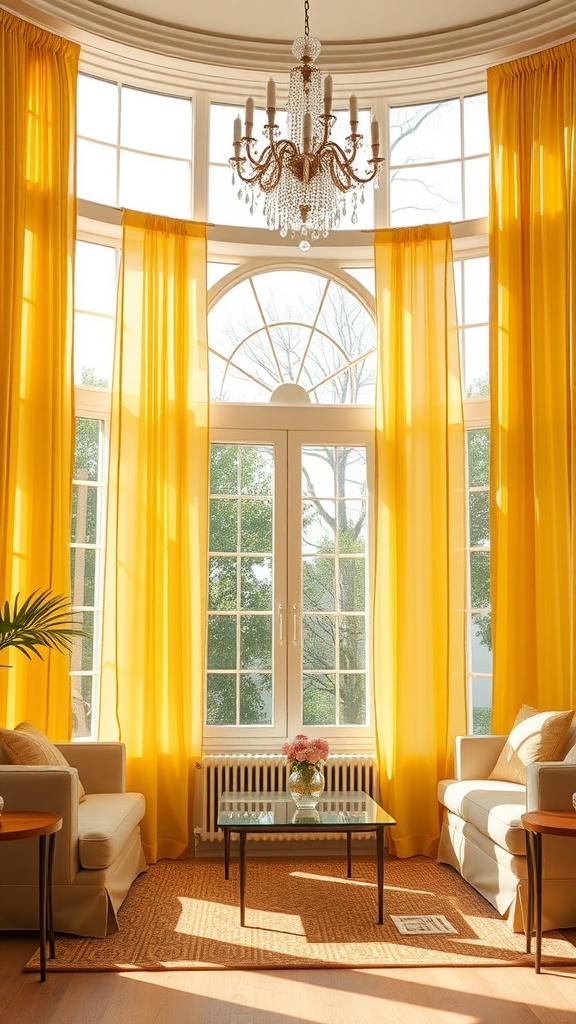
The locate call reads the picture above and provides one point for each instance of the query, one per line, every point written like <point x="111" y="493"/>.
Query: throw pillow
<point x="27" y="745"/>
<point x="535" y="736"/>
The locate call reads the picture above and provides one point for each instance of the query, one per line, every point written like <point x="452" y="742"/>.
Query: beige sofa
<point x="98" y="851"/>
<point x="482" y="835"/>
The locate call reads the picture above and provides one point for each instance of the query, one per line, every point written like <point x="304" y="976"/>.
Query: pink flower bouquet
<point x="301" y="750"/>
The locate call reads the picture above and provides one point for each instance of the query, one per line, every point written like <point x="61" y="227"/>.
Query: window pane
<point x="93" y="350"/>
<point x="95" y="278"/>
<point x="84" y="514"/>
<point x="221" y="699"/>
<point x="221" y="641"/>
<point x="256" y="642"/>
<point x="223" y="524"/>
<point x="319" y="699"/>
<point x="476" y="352"/>
<point x="155" y="184"/>
<point x="88" y="448"/>
<point x="425" y="132"/>
<point x="481" y="706"/>
<point x="481" y="654"/>
<point x="82" y="576"/>
<point x="156" y="124"/>
<point x="479" y="518"/>
<point x="255" y="699"/>
<point x="478" y="457"/>
<point x="222" y="582"/>
<point x="223" y="468"/>
<point x="476" y="187"/>
<point x="319" y="583"/>
<point x="352" y="584"/>
<point x="476" y="290"/>
<point x="84" y="692"/>
<point x="256" y="470"/>
<point x="319" y="642"/>
<point x="423" y="194"/>
<point x="480" y="579"/>
<point x="476" y="134"/>
<point x="353" y="699"/>
<point x="256" y="584"/>
<point x="96" y="172"/>
<point x="256" y="525"/>
<point x="97" y="109"/>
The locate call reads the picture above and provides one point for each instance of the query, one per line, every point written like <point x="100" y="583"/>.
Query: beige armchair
<point x="98" y="851"/>
<point x="482" y="835"/>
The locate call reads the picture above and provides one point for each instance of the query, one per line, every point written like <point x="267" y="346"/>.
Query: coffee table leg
<point x="349" y="853"/>
<point x="537" y="841"/>
<point x="42" y="888"/>
<point x="530" y="873"/>
<point x="380" y="871"/>
<point x="242" y="874"/>
<point x="226" y="854"/>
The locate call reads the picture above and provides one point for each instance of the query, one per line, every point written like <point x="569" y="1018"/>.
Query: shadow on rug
<point x="183" y="915"/>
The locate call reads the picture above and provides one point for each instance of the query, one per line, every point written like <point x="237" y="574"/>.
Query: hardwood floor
<point x="419" y="995"/>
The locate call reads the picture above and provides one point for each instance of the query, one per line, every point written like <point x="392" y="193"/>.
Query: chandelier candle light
<point x="306" y="758"/>
<point x="306" y="177"/>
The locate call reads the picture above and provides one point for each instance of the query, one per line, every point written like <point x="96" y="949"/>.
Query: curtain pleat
<point x="418" y="621"/>
<point x="156" y="547"/>
<point x="38" y="73"/>
<point x="532" y="111"/>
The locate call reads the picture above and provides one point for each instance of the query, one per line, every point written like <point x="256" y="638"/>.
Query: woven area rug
<point x="300" y="913"/>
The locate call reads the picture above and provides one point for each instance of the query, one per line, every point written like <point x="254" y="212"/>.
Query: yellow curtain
<point x="38" y="74"/>
<point x="532" y="110"/>
<point x="419" y="587"/>
<point x="156" y="549"/>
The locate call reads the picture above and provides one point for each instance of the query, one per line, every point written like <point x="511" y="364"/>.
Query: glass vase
<point x="305" y="784"/>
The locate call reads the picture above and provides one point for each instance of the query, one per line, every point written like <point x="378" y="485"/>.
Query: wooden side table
<point x="536" y="825"/>
<point x="27" y="825"/>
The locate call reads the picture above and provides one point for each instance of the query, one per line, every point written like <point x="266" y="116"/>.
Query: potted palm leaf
<point x="43" y="620"/>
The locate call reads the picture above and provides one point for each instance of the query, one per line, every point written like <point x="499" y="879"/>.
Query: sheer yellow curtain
<point x="156" y="547"/>
<point x="38" y="74"/>
<point x="532" y="110"/>
<point x="419" y="587"/>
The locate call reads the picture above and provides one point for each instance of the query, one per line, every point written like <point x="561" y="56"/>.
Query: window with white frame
<point x="292" y="369"/>
<point x="438" y="161"/>
<point x="134" y="148"/>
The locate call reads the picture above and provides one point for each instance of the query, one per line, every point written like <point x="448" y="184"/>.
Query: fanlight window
<point x="291" y="327"/>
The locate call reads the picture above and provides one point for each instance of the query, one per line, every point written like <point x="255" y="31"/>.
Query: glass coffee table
<point x="259" y="813"/>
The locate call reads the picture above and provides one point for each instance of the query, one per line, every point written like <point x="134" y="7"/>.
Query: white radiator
<point x="253" y="773"/>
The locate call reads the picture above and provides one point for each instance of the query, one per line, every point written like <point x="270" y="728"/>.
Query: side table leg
<point x="380" y="871"/>
<point x="530" y="875"/>
<point x="242" y="874"/>
<point x="51" y="848"/>
<point x="42" y="889"/>
<point x="537" y="840"/>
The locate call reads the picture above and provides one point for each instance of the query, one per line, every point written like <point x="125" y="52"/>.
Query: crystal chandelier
<point x="305" y="178"/>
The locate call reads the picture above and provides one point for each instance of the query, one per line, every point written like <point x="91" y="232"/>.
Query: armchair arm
<point x="52" y="788"/>
<point x="101" y="766"/>
<point x="475" y="756"/>
<point x="550" y="785"/>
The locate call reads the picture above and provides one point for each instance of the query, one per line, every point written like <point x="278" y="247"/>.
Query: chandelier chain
<point x="306" y="18"/>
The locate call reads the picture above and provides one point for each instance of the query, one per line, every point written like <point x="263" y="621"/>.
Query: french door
<point x="287" y="647"/>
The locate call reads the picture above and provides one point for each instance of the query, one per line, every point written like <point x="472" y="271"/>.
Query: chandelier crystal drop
<point x="306" y="178"/>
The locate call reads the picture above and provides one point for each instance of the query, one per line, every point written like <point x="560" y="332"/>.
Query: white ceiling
<point x="411" y="46"/>
<point x="330" y="20"/>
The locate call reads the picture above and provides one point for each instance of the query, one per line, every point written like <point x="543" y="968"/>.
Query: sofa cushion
<point x="105" y="823"/>
<point x="494" y="808"/>
<point x="27" y="745"/>
<point x="535" y="736"/>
